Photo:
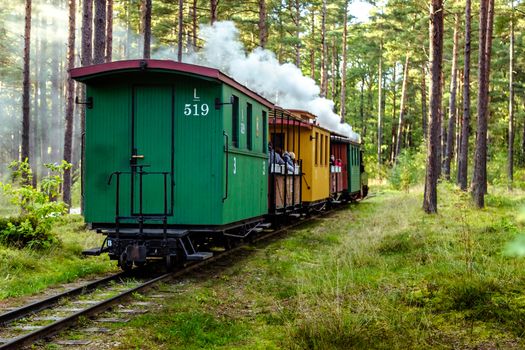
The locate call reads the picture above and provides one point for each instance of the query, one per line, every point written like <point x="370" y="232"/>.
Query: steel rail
<point x="43" y="304"/>
<point x="55" y="327"/>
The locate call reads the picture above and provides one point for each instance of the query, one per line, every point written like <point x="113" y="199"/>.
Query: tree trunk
<point x="86" y="58"/>
<point x="362" y="105"/>
<point x="180" y="30"/>
<point x="146" y="28"/>
<point x="465" y="123"/>
<point x="436" y="56"/>
<point x="458" y="120"/>
<point x="342" y="109"/>
<point x="324" y="76"/>
<point x="402" y="107"/>
<point x="443" y="134"/>
<point x="298" y="33"/>
<point x="26" y="85"/>
<point x="263" y="30"/>
<point x="380" y="103"/>
<point x="394" y="127"/>
<point x="510" y="156"/>
<point x="68" y="135"/>
<point x="451" y="133"/>
<point x="33" y="142"/>
<point x="424" y="117"/>
<point x="109" y="31"/>
<point x="312" y="49"/>
<point x="100" y="32"/>
<point x="86" y="55"/>
<point x="480" y="158"/>
<point x="333" y="78"/>
<point x="213" y="11"/>
<point x="194" y="24"/>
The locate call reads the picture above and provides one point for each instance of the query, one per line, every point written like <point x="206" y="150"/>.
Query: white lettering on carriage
<point x="195" y="97"/>
<point x="196" y="110"/>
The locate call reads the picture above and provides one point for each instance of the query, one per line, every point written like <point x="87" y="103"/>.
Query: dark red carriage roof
<point x="86" y="73"/>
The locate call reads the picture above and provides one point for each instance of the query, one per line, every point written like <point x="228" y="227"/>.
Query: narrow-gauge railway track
<point x="101" y="306"/>
<point x="28" y="309"/>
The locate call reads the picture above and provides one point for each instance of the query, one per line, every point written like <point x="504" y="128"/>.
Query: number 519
<point x="194" y="109"/>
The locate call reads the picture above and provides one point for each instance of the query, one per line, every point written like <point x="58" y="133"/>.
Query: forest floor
<point x="378" y="275"/>
<point x="25" y="271"/>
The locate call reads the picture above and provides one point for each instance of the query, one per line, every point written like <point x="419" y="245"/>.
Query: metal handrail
<point x="227" y="151"/>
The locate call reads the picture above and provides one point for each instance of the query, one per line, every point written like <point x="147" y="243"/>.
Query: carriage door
<point x="152" y="150"/>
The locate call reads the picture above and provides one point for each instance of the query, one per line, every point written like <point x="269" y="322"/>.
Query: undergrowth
<point x="27" y="271"/>
<point x="380" y="275"/>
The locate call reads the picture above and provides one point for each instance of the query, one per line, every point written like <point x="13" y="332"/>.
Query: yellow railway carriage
<point x="311" y="144"/>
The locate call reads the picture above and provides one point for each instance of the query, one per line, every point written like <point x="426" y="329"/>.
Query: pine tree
<point x="26" y="85"/>
<point x="465" y="122"/>
<point x="99" y="49"/>
<point x="68" y="135"/>
<point x="479" y="180"/>
<point x="436" y="56"/>
<point x="451" y="134"/>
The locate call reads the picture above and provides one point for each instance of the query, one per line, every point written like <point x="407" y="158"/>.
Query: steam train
<point x="178" y="159"/>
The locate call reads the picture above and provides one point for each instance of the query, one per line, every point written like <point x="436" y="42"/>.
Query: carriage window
<point x="249" y="126"/>
<point x="327" y="150"/>
<point x="316" y="148"/>
<point x="321" y="154"/>
<point x="235" y="122"/>
<point x="264" y="126"/>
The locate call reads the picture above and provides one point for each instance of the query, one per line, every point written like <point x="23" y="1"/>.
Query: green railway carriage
<point x="357" y="177"/>
<point x="171" y="145"/>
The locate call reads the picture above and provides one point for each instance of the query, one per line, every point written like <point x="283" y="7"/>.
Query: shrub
<point x="408" y="170"/>
<point x="38" y="208"/>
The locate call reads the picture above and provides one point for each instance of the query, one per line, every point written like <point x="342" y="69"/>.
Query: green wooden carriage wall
<point x="193" y="127"/>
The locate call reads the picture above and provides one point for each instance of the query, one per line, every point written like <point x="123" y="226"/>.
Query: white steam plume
<point x="283" y="84"/>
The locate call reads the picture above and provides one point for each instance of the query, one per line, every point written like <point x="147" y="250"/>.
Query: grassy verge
<point x="25" y="271"/>
<point x="380" y="275"/>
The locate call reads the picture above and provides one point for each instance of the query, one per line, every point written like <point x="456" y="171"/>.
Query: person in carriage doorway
<point x="287" y="157"/>
<point x="275" y="157"/>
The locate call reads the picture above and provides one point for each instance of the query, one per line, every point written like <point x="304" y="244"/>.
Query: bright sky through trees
<point x="360" y="10"/>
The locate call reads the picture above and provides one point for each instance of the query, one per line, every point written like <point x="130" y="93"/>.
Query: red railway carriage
<point x="338" y="165"/>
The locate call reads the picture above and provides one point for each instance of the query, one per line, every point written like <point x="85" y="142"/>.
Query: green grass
<point x="380" y="275"/>
<point x="6" y="208"/>
<point x="25" y="271"/>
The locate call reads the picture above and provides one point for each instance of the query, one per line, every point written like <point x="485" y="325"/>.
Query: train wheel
<point x="169" y="262"/>
<point x="124" y="263"/>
